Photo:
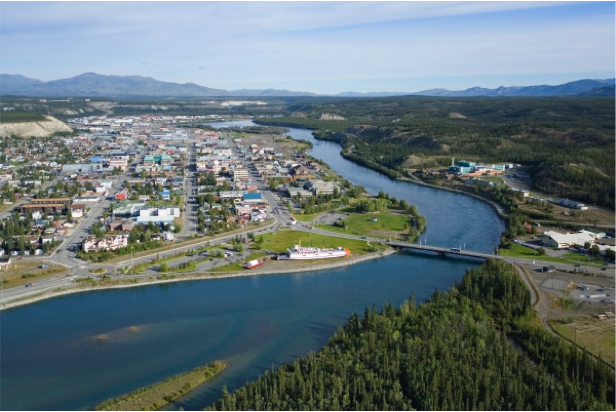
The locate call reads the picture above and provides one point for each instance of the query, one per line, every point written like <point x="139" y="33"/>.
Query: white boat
<point x="306" y="253"/>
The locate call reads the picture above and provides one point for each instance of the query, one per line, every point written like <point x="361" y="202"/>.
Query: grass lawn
<point x="304" y="217"/>
<point x="493" y="179"/>
<point x="281" y="240"/>
<point x="528" y="253"/>
<point x="583" y="259"/>
<point x="29" y="272"/>
<point x="4" y="208"/>
<point x="597" y="336"/>
<point x="188" y="242"/>
<point x="362" y="224"/>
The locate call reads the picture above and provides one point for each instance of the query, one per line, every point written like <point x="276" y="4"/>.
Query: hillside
<point x="601" y="91"/>
<point x="567" y="89"/>
<point x="43" y="128"/>
<point x="548" y="135"/>
<point x="93" y="85"/>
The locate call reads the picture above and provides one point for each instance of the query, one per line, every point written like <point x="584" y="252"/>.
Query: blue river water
<point x="74" y="351"/>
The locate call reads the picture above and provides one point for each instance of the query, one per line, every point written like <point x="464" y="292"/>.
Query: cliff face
<point x="34" y="129"/>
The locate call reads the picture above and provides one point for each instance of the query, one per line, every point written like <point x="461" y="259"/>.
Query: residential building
<point x="106" y="243"/>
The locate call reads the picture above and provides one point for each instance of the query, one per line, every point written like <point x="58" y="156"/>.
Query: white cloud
<point x="262" y="44"/>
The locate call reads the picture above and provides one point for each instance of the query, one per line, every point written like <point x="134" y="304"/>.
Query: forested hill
<point x="567" y="142"/>
<point x="473" y="348"/>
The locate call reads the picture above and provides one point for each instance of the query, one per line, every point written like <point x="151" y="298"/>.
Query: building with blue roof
<point x="253" y="197"/>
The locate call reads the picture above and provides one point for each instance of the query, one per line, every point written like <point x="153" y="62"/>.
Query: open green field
<point x="302" y="217"/>
<point x="493" y="179"/>
<point x="281" y="240"/>
<point x="388" y="224"/>
<point x="154" y="397"/>
<point x="583" y="259"/>
<point x="597" y="336"/>
<point x="528" y="253"/>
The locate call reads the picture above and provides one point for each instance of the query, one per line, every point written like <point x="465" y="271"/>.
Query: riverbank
<point x="497" y="208"/>
<point x="156" y="396"/>
<point x="137" y="282"/>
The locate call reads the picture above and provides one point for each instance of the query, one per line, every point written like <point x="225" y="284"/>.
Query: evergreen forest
<point x="566" y="142"/>
<point x="476" y="347"/>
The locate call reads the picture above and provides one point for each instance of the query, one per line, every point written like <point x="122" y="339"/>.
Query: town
<point x="145" y="182"/>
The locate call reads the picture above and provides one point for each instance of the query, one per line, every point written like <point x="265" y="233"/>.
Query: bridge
<point x="441" y="251"/>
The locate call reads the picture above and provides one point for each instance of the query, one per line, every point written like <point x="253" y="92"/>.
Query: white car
<point x="228" y="254"/>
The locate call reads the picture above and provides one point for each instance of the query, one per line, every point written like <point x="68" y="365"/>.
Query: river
<point x="74" y="351"/>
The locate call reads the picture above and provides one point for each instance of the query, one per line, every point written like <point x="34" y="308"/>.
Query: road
<point x="190" y="215"/>
<point x="278" y="212"/>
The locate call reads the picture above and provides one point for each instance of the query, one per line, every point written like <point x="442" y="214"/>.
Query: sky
<point x="320" y="47"/>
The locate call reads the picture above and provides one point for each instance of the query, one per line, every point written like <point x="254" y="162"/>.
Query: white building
<point x="241" y="173"/>
<point x="106" y="243"/>
<point x="564" y="240"/>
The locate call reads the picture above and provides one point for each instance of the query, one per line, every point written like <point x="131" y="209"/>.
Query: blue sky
<point x="321" y="47"/>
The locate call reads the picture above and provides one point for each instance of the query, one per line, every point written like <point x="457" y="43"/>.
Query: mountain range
<point x="97" y="85"/>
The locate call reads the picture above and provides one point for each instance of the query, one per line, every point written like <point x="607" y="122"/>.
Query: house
<point x="47" y="238"/>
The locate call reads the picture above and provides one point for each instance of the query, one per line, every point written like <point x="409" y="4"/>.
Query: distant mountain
<point x="572" y="88"/>
<point x="92" y="84"/>
<point x="601" y="91"/>
<point x="371" y="94"/>
<point x="267" y="93"/>
<point x="16" y="81"/>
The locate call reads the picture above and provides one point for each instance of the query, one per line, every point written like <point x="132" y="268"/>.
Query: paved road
<point x="282" y="218"/>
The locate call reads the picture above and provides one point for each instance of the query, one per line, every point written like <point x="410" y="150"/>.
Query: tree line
<point x="453" y="352"/>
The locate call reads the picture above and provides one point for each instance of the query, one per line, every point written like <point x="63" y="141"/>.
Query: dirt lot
<point x="329" y="218"/>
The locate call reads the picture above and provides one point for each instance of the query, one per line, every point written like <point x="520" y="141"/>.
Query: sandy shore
<point x="199" y="276"/>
